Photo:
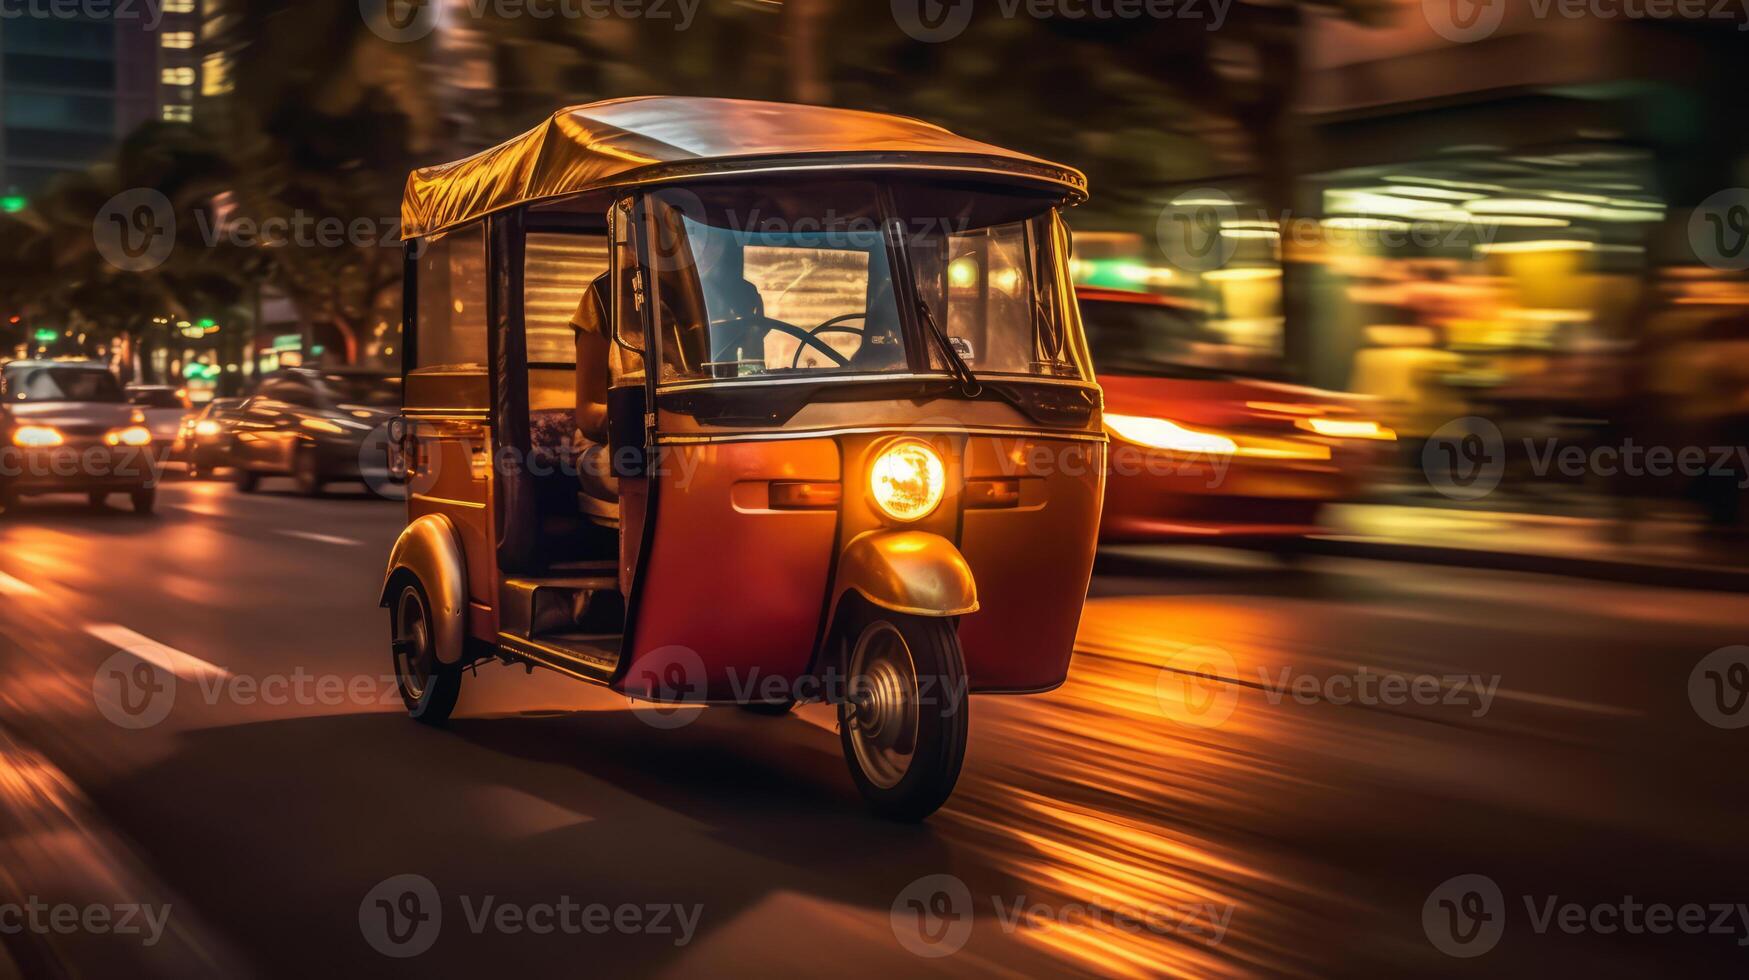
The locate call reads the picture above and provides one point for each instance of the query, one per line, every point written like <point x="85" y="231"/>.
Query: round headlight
<point x="907" y="481"/>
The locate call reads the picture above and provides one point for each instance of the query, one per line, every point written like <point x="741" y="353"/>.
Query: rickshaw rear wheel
<point x="428" y="686"/>
<point x="903" y="721"/>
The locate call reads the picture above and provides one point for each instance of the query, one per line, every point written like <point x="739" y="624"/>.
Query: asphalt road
<point x="1228" y="785"/>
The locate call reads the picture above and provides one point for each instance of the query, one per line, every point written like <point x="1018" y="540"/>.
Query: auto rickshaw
<point x="724" y="402"/>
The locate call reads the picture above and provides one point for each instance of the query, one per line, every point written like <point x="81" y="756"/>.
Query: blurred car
<point x="311" y="425"/>
<point x="1204" y="445"/>
<point x="67" y="427"/>
<point x="165" y="406"/>
<point x="201" y="443"/>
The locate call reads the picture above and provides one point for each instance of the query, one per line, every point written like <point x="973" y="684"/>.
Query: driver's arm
<point x="590" y="324"/>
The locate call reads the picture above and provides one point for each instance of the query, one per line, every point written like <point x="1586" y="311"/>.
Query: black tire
<point x="770" y="709"/>
<point x="428" y="687"/>
<point x="144" y="499"/>
<point x="307" y="472"/>
<point x="96" y="499"/>
<point x="934" y="727"/>
<point x="248" y="481"/>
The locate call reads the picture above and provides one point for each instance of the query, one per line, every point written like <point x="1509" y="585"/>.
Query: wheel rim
<point x="412" y="644"/>
<point x="883" y="705"/>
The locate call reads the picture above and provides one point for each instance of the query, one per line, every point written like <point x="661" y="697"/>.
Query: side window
<point x="452" y="298"/>
<point x="557" y="271"/>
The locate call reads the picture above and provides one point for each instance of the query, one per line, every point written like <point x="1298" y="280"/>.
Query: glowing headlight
<point x="1346" y="429"/>
<point x="133" y="435"/>
<point x="206" y="427"/>
<point x="1169" y="435"/>
<point x="36" y="437"/>
<point x="907" y="481"/>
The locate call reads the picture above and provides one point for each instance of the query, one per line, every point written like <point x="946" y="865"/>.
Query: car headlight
<point x="1347" y="429"/>
<point x="36" y="437"/>
<point x="133" y="435"/>
<point x="206" y="427"/>
<point x="1169" y="435"/>
<point x="907" y="481"/>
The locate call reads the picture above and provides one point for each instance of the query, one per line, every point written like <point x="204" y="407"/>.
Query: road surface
<point x="1346" y="767"/>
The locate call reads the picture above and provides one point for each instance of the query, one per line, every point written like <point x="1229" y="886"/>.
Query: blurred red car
<point x="1204" y="446"/>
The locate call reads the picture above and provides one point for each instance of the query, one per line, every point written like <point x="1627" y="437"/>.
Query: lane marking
<point x="323" y="538"/>
<point x="183" y="665"/>
<point x="15" y="587"/>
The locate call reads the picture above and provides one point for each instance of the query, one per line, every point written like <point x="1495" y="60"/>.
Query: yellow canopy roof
<point x="637" y="140"/>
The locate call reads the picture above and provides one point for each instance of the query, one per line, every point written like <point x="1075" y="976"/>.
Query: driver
<point x="594" y="470"/>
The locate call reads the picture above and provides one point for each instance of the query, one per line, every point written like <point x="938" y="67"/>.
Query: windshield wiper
<point x="970" y="386"/>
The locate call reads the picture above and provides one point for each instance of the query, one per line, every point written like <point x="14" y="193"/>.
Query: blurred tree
<point x="52" y="267"/>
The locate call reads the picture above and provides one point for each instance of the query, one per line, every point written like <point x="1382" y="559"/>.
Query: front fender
<point x="909" y="572"/>
<point x="430" y="549"/>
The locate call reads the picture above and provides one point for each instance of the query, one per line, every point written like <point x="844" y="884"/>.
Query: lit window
<point x="179" y="39"/>
<point x="178" y="6"/>
<point x="215" y="75"/>
<point x="179" y="113"/>
<point x="177" y="76"/>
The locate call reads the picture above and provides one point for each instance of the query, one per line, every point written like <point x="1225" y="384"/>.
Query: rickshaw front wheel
<point x="428" y="686"/>
<point x="903" y="720"/>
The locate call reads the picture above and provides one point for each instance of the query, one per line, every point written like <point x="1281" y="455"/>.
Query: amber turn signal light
<point x="985" y="494"/>
<point x="806" y="496"/>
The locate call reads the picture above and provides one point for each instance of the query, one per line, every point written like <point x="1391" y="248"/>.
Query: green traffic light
<point x="13" y="203"/>
<point x="47" y="335"/>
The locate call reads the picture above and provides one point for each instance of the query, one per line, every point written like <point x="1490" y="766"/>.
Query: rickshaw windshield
<point x="987" y="270"/>
<point x="775" y="280"/>
<point x="797" y="279"/>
